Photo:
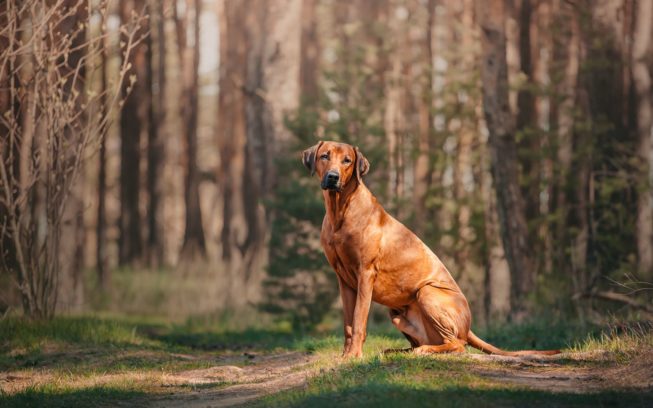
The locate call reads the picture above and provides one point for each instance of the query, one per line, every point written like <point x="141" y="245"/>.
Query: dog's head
<point x="336" y="164"/>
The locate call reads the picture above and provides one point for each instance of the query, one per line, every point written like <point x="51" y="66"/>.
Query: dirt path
<point x="569" y="372"/>
<point x="227" y="385"/>
<point x="267" y="374"/>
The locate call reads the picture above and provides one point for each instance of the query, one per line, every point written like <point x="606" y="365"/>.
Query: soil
<point x="567" y="372"/>
<point x="266" y="375"/>
<point x="225" y="384"/>
<point x="571" y="372"/>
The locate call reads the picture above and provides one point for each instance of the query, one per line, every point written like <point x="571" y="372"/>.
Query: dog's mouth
<point x="331" y="186"/>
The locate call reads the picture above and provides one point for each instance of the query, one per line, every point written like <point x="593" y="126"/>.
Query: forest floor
<point x="92" y="361"/>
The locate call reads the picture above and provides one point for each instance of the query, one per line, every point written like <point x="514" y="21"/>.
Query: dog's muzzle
<point x="331" y="181"/>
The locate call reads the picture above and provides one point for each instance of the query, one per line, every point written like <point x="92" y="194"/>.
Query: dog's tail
<point x="477" y="343"/>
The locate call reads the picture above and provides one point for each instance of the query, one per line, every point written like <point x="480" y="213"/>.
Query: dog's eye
<point x="347" y="160"/>
<point x="324" y="157"/>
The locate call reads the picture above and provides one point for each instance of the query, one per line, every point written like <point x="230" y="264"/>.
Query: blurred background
<point x="514" y="137"/>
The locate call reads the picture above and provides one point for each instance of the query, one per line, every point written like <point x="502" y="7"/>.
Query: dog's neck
<point x="337" y="202"/>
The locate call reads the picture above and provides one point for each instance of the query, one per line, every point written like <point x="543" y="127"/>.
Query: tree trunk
<point x="567" y="49"/>
<point x="232" y="119"/>
<point x="542" y="173"/>
<point x="259" y="82"/>
<point x="641" y="53"/>
<point x="393" y="122"/>
<point x="7" y="102"/>
<point x="194" y="245"/>
<point x="497" y="272"/>
<point x="101" y="222"/>
<point x="310" y="54"/>
<point x="425" y="105"/>
<point x="156" y="138"/>
<point x="526" y="112"/>
<point x="503" y="154"/>
<point x="463" y="161"/>
<point x="71" y="290"/>
<point x="132" y="120"/>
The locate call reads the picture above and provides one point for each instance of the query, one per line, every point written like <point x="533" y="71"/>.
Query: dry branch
<point x="52" y="120"/>
<point x="615" y="297"/>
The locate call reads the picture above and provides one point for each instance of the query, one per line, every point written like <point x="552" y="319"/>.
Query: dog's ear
<point x="362" y="165"/>
<point x="309" y="155"/>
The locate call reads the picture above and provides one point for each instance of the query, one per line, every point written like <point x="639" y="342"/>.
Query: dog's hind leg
<point x="451" y="347"/>
<point x="446" y="319"/>
<point x="412" y="329"/>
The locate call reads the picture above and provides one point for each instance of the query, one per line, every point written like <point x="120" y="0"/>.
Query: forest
<point x="160" y="238"/>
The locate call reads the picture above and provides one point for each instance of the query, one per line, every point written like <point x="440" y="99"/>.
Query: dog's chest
<point x="341" y="248"/>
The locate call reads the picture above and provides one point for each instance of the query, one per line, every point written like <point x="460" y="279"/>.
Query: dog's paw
<point x="352" y="354"/>
<point x="421" y="350"/>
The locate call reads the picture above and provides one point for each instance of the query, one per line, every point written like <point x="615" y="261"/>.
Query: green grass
<point x="443" y="381"/>
<point x="427" y="381"/>
<point x="75" y="352"/>
<point x="84" y="345"/>
<point x="457" y="381"/>
<point x="64" y="397"/>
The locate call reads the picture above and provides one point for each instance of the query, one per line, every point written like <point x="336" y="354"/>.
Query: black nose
<point x="332" y="177"/>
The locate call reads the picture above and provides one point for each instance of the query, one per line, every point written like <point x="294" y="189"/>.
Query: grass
<point x="54" y="397"/>
<point x="448" y="380"/>
<point x="81" y="361"/>
<point x="407" y="381"/>
<point x="128" y="357"/>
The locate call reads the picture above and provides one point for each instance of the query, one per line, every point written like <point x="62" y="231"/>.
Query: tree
<point x="526" y="120"/>
<point x="133" y="118"/>
<point x="310" y="54"/>
<point x="72" y="254"/>
<point x="101" y="223"/>
<point x="257" y="88"/>
<point x="425" y="106"/>
<point x="641" y="54"/>
<point x="47" y="139"/>
<point x="193" y="245"/>
<point x="156" y="132"/>
<point x="566" y="56"/>
<point x="503" y="154"/>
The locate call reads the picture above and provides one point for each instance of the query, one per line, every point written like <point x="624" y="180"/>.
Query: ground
<point x="117" y="361"/>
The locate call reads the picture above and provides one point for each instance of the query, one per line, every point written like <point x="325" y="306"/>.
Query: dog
<point x="376" y="258"/>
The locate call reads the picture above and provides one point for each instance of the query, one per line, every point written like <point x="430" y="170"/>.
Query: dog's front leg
<point x="361" y="312"/>
<point x="348" y="296"/>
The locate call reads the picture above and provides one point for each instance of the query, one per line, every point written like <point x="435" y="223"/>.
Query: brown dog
<point x="375" y="257"/>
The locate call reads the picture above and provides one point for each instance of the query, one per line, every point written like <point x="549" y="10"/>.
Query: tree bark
<point x="156" y="137"/>
<point x="232" y="121"/>
<point x="497" y="272"/>
<point x="71" y="288"/>
<point x="503" y="154"/>
<point x="567" y="49"/>
<point x="101" y="223"/>
<point x="132" y="120"/>
<point x="310" y="54"/>
<point x="463" y="161"/>
<point x="526" y="111"/>
<point x="194" y="245"/>
<point x="641" y="53"/>
<point x="422" y="167"/>
<point x="259" y="82"/>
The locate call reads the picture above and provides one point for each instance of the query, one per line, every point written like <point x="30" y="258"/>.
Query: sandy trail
<point x="268" y="374"/>
<point x="567" y="373"/>
<point x="273" y="373"/>
<point x="225" y="384"/>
